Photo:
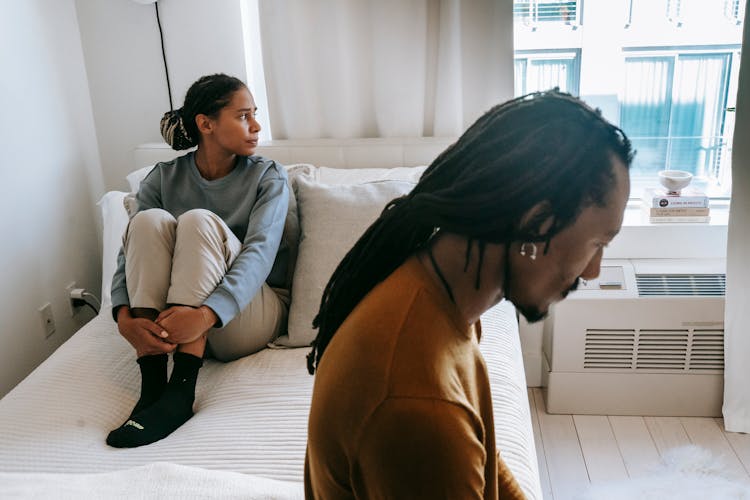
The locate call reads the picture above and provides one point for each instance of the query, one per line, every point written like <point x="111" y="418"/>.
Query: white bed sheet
<point x="251" y="414"/>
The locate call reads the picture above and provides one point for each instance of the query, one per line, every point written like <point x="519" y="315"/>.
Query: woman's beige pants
<point x="181" y="261"/>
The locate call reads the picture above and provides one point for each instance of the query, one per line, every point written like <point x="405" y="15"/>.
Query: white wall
<point x="50" y="174"/>
<point x="123" y="57"/>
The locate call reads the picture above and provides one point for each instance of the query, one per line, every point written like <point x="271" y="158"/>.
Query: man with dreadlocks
<point x="520" y="207"/>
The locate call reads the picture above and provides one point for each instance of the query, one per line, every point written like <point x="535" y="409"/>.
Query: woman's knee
<point x="198" y="219"/>
<point x="153" y="220"/>
<point x="206" y="228"/>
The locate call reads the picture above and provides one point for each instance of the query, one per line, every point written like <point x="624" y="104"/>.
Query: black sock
<point x="153" y="380"/>
<point x="174" y="407"/>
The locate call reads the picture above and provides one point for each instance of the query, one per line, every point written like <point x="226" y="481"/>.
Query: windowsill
<point x="641" y="239"/>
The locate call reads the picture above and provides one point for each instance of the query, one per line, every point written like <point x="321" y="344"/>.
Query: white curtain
<point x="384" y="68"/>
<point x="737" y="314"/>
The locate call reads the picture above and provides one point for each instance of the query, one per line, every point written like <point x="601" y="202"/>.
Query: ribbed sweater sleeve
<point x="253" y="265"/>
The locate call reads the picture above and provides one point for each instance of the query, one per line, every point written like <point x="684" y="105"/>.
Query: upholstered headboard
<point x="337" y="153"/>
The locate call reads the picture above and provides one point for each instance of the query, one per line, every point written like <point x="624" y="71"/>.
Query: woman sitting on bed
<point x="197" y="255"/>
<point x="520" y="207"/>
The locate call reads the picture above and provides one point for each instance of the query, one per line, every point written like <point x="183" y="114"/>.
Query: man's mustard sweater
<point x="401" y="404"/>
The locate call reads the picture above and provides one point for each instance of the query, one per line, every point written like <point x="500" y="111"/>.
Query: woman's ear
<point x="204" y="124"/>
<point x="537" y="220"/>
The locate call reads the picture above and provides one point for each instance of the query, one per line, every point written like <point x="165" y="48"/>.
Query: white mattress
<point x="251" y="414"/>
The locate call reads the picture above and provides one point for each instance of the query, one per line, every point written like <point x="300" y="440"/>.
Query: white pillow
<point x="332" y="218"/>
<point x="115" y="220"/>
<point x="337" y="176"/>
<point x="134" y="178"/>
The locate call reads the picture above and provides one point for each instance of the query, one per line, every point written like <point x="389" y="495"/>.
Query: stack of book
<point x="686" y="206"/>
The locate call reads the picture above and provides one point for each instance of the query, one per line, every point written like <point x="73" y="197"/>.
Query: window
<point x="674" y="111"/>
<point x="665" y="71"/>
<point x="541" y="70"/>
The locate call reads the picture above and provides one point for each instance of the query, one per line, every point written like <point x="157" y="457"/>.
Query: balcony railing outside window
<point x="534" y="12"/>
<point x="734" y="10"/>
<point x="674" y="12"/>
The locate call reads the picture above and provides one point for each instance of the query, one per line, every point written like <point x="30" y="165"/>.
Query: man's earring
<point x="531" y="251"/>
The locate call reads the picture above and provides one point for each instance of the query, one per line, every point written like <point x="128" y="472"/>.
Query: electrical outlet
<point x="73" y="305"/>
<point x="48" y="320"/>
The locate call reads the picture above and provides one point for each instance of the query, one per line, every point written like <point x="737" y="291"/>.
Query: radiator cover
<point x="646" y="338"/>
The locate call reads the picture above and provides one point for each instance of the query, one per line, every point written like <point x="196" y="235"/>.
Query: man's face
<point x="575" y="252"/>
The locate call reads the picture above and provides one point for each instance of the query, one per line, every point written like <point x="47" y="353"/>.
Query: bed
<point x="247" y="437"/>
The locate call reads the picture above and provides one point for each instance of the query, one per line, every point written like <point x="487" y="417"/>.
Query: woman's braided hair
<point x="206" y="96"/>
<point x="546" y="146"/>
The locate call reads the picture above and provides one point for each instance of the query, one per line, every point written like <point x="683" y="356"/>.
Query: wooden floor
<point x="577" y="450"/>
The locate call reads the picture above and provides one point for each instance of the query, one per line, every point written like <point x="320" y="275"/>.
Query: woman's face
<point x="235" y="129"/>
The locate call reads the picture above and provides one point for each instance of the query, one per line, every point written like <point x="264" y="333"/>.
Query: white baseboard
<point x="532" y="365"/>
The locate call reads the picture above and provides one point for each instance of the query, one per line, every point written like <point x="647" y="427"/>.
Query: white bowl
<point x="675" y="180"/>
